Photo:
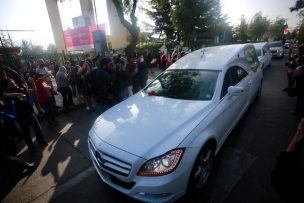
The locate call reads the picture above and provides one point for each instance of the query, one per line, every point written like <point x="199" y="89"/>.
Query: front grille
<point x="110" y="163"/>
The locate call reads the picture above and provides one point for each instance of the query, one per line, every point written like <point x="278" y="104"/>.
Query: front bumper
<point x="166" y="188"/>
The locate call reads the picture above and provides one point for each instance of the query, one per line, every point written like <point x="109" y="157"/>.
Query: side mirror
<point x="235" y="91"/>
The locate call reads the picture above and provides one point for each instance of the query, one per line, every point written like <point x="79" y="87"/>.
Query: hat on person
<point x="40" y="71"/>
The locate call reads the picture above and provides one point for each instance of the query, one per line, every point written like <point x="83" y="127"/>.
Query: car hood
<point x="148" y="126"/>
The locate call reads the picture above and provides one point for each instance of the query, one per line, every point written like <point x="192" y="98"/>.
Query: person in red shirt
<point x="44" y="95"/>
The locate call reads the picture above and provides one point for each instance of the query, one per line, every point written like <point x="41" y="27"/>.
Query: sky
<point x="32" y="15"/>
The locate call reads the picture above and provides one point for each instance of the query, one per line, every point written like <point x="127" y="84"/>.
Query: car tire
<point x="202" y="168"/>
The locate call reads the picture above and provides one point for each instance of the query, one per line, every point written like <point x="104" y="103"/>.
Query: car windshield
<point x="184" y="84"/>
<point x="275" y="44"/>
<point x="259" y="52"/>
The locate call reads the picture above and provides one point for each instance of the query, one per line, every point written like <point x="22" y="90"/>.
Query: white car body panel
<point x="143" y="127"/>
<point x="266" y="56"/>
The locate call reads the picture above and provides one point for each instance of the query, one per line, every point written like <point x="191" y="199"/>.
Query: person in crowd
<point x="86" y="85"/>
<point x="72" y="76"/>
<point x="288" y="175"/>
<point x="296" y="81"/>
<point x="163" y="61"/>
<point x="43" y="70"/>
<point x="142" y="71"/>
<point x="78" y="79"/>
<point x="31" y="89"/>
<point x="101" y="80"/>
<point x="25" y="117"/>
<point x="122" y="81"/>
<point x="45" y="97"/>
<point x="148" y="59"/>
<point x="132" y="68"/>
<point x="7" y="146"/>
<point x="63" y="87"/>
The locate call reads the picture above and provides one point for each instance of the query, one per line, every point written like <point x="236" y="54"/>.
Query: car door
<point x="268" y="53"/>
<point x="230" y="107"/>
<point x="263" y="58"/>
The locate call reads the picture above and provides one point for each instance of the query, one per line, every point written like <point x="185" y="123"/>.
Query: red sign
<point x="81" y="36"/>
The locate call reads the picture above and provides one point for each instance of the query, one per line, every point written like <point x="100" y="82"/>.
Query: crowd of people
<point x="295" y="75"/>
<point x="29" y="91"/>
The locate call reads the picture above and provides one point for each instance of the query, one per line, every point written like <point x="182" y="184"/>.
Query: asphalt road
<point x="241" y="174"/>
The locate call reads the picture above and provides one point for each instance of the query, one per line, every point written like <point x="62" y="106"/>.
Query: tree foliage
<point x="6" y="40"/>
<point x="276" y="28"/>
<point x="258" y="27"/>
<point x="161" y="13"/>
<point x="241" y="31"/>
<point x="298" y="6"/>
<point x="51" y="48"/>
<point x="27" y="48"/>
<point x="189" y="21"/>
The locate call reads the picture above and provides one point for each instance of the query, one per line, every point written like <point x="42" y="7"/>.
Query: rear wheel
<point x="202" y="168"/>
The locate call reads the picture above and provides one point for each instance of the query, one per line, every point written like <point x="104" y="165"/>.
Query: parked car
<point x="264" y="54"/>
<point x="277" y="49"/>
<point x="161" y="142"/>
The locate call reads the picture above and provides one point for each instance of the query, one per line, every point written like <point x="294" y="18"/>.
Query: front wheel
<point x="202" y="168"/>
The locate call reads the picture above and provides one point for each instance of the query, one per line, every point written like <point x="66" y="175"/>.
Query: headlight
<point x="280" y="49"/>
<point x="163" y="164"/>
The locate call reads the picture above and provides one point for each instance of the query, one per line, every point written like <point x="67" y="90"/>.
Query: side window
<point x="252" y="58"/>
<point x="264" y="51"/>
<point x="233" y="76"/>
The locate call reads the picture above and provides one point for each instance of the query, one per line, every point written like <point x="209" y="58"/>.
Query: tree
<point x="6" y="40"/>
<point x="258" y="26"/>
<point x="221" y="27"/>
<point x="128" y="7"/>
<point x="298" y="6"/>
<point x="276" y="28"/>
<point x="161" y="13"/>
<point x="25" y="47"/>
<point x="241" y="31"/>
<point x="193" y="19"/>
<point x="51" y="48"/>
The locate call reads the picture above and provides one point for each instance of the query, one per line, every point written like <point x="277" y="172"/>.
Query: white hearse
<point x="161" y="142"/>
<point x="264" y="54"/>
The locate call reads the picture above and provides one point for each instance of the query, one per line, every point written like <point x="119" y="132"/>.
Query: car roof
<point x="259" y="45"/>
<point x="210" y="58"/>
<point x="275" y="42"/>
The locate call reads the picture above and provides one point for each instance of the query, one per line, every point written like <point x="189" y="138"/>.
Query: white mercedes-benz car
<point x="161" y="142"/>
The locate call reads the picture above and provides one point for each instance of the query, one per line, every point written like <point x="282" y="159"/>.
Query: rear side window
<point x="251" y="57"/>
<point x="232" y="77"/>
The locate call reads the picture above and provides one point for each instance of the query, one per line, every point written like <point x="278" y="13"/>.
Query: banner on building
<point x="81" y="39"/>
